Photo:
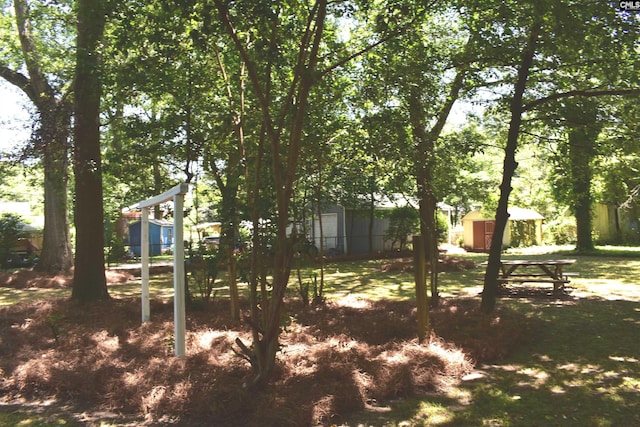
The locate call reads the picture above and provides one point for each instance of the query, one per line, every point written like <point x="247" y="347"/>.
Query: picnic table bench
<point x="550" y="271"/>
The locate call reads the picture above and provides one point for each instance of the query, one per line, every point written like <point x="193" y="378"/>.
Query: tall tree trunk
<point x="425" y="150"/>
<point x="583" y="130"/>
<point x="490" y="289"/>
<point x="425" y="145"/>
<point x="53" y="136"/>
<point x="56" y="255"/>
<point x="321" y="230"/>
<point x="89" y="282"/>
<point x="229" y="215"/>
<point x="580" y="161"/>
<point x="228" y="232"/>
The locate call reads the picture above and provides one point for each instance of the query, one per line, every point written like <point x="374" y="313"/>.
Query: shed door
<point x="482" y="234"/>
<point x="488" y="234"/>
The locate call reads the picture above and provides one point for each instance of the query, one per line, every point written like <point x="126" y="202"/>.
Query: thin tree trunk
<point x="322" y="245"/>
<point x="228" y="216"/>
<point x="425" y="147"/>
<point x="284" y="136"/>
<point x="425" y="143"/>
<point x="490" y="289"/>
<point x="157" y="188"/>
<point x="229" y="189"/>
<point x="371" y="210"/>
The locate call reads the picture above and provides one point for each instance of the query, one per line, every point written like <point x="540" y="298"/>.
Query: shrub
<point x="561" y="231"/>
<point x="523" y="233"/>
<point x="403" y="222"/>
<point x="10" y="232"/>
<point x="442" y="227"/>
<point x="116" y="251"/>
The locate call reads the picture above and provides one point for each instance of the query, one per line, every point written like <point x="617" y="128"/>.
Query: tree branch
<point x="30" y="54"/>
<point x="251" y="68"/>
<point x="301" y="62"/>
<point x="633" y="195"/>
<point x="372" y="46"/>
<point x="454" y="93"/>
<point x="245" y="352"/>
<point x="585" y="93"/>
<point x="19" y="80"/>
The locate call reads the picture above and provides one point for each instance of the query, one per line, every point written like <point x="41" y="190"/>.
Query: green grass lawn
<point x="582" y="367"/>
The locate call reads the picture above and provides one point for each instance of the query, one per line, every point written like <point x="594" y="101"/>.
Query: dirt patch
<point x="335" y="359"/>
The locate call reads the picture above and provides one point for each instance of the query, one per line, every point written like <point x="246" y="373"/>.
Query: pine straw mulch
<point x="29" y="278"/>
<point x="336" y="358"/>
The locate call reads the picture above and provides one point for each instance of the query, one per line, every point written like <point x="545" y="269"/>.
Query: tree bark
<point x="89" y="283"/>
<point x="52" y="143"/>
<point x="425" y="147"/>
<point x="425" y="144"/>
<point x="371" y="211"/>
<point x="229" y="212"/>
<point x="490" y="289"/>
<point x="229" y="229"/>
<point x="583" y="130"/>
<point x="284" y="137"/>
<point x="56" y="255"/>
<point x="157" y="188"/>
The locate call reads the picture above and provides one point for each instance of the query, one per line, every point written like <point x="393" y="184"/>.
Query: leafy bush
<point x="523" y="233"/>
<point x="403" y="222"/>
<point x="117" y="251"/>
<point x="561" y="231"/>
<point x="10" y="232"/>
<point x="442" y="227"/>
<point x="202" y="270"/>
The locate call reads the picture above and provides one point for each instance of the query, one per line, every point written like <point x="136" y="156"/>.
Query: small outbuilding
<point x="26" y="249"/>
<point x="357" y="231"/>
<point x="160" y="237"/>
<point x="208" y="229"/>
<point x="524" y="228"/>
<point x="616" y="224"/>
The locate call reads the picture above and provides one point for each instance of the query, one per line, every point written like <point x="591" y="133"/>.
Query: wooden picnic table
<point x="550" y="270"/>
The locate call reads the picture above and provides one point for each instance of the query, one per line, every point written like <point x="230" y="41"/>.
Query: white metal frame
<point x="176" y="194"/>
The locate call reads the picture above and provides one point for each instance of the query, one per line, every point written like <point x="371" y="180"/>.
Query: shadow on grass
<point x="35" y="416"/>
<point x="582" y="368"/>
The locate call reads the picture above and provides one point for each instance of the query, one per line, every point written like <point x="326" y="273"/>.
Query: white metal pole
<point x="144" y="271"/>
<point x="178" y="276"/>
<point x="177" y="194"/>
